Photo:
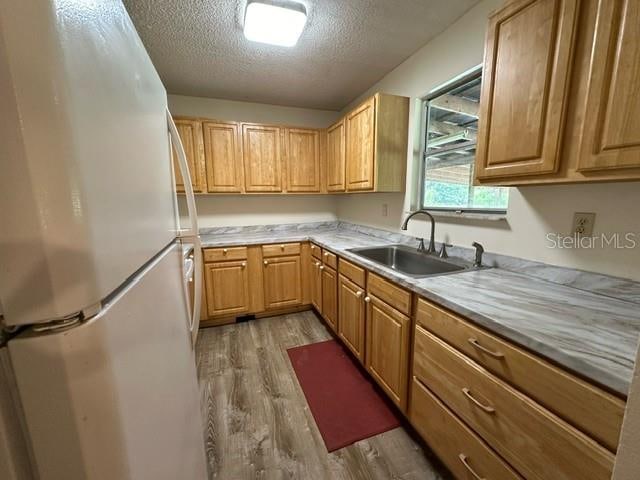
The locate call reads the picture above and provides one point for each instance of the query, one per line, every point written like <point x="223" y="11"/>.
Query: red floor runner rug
<point x="344" y="402"/>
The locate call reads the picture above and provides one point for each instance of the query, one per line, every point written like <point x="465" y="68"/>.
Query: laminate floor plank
<point x="257" y="421"/>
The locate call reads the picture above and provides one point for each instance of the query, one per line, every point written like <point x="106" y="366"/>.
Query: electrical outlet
<point x="583" y="223"/>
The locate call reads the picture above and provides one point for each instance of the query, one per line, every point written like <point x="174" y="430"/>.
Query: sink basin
<point x="409" y="261"/>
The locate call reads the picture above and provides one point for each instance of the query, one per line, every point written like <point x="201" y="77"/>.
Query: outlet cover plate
<point x="583" y="223"/>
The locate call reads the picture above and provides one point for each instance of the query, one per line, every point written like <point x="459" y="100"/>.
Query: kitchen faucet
<point x="432" y="245"/>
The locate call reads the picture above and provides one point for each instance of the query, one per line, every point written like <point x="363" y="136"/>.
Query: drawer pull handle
<point x="486" y="408"/>
<point x="476" y="344"/>
<point x="465" y="461"/>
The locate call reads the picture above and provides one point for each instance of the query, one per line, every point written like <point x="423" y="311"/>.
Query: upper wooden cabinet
<point x="336" y="157"/>
<point x="302" y="153"/>
<point x="190" y="132"/>
<point x="557" y="102"/>
<point x="223" y="155"/>
<point x="366" y="151"/>
<point x="360" y="152"/>
<point x="376" y="144"/>
<point x="611" y="138"/>
<point x="524" y="93"/>
<point x="262" y="160"/>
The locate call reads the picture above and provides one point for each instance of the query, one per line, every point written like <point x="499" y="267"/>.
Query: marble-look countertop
<point x="592" y="335"/>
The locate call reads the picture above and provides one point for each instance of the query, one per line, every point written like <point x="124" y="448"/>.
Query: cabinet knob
<point x="266" y="262"/>
<point x="281" y="247"/>
<point x="367" y="299"/>
<point x="326" y="254"/>
<point x="317" y="264"/>
<point x="243" y="264"/>
<point x="358" y="294"/>
<point x="321" y="267"/>
<point x="224" y="250"/>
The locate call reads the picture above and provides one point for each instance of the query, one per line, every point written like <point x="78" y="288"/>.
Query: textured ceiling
<point x="348" y="45"/>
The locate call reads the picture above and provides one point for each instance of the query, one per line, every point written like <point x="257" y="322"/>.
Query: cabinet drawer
<point x="395" y="296"/>
<point x="352" y="272"/>
<point x="280" y="249"/>
<point x="536" y="442"/>
<point x="454" y="443"/>
<point x="585" y="406"/>
<point x="330" y="259"/>
<point x="316" y="251"/>
<point x="225" y="254"/>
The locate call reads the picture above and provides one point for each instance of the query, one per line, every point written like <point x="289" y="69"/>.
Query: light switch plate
<point x="583" y="223"/>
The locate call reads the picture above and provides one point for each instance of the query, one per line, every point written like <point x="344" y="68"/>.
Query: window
<point x="450" y="150"/>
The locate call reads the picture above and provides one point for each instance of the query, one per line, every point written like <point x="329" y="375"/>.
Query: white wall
<point x="233" y="210"/>
<point x="533" y="211"/>
<point x="250" y="112"/>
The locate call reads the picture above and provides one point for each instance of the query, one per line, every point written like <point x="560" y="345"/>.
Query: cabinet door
<point x="190" y="132"/>
<point x="316" y="284"/>
<point x="282" y="282"/>
<point x="360" y="146"/>
<point x="302" y="151"/>
<point x="330" y="297"/>
<point x="227" y="285"/>
<point x="336" y="157"/>
<point x="223" y="156"/>
<point x="611" y="135"/>
<point x="527" y="63"/>
<point x="351" y="313"/>
<point x="261" y="154"/>
<point x="388" y="349"/>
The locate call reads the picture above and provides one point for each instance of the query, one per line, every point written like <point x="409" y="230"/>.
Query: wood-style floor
<point x="258" y="424"/>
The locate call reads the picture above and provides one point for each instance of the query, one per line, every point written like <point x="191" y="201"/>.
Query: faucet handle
<point x="479" y="251"/>
<point x="443" y="250"/>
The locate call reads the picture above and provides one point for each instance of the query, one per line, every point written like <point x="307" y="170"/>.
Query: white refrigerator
<point x="97" y="366"/>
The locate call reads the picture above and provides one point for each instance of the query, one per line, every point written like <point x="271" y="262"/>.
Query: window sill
<point x="489" y="217"/>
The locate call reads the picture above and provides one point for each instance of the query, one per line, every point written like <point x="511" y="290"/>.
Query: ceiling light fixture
<point x="274" y="22"/>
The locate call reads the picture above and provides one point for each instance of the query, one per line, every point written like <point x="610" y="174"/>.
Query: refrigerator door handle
<point x="192" y="231"/>
<point x="189" y="235"/>
<point x="197" y="289"/>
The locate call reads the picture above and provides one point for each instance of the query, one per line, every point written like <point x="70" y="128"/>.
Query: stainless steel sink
<point x="410" y="261"/>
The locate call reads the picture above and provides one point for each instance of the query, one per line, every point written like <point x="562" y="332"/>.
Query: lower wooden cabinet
<point x="316" y="284"/>
<point x="227" y="288"/>
<point x="330" y="296"/>
<point x="534" y="441"/>
<point x="387" y="349"/>
<point x="282" y="282"/>
<point x="351" y="316"/>
<point x="465" y="454"/>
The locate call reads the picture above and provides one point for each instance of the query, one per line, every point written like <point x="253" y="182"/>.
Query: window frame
<point x="452" y="84"/>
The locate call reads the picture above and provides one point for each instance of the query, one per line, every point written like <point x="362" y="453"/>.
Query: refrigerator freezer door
<point x="85" y="173"/>
<point x="117" y="397"/>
